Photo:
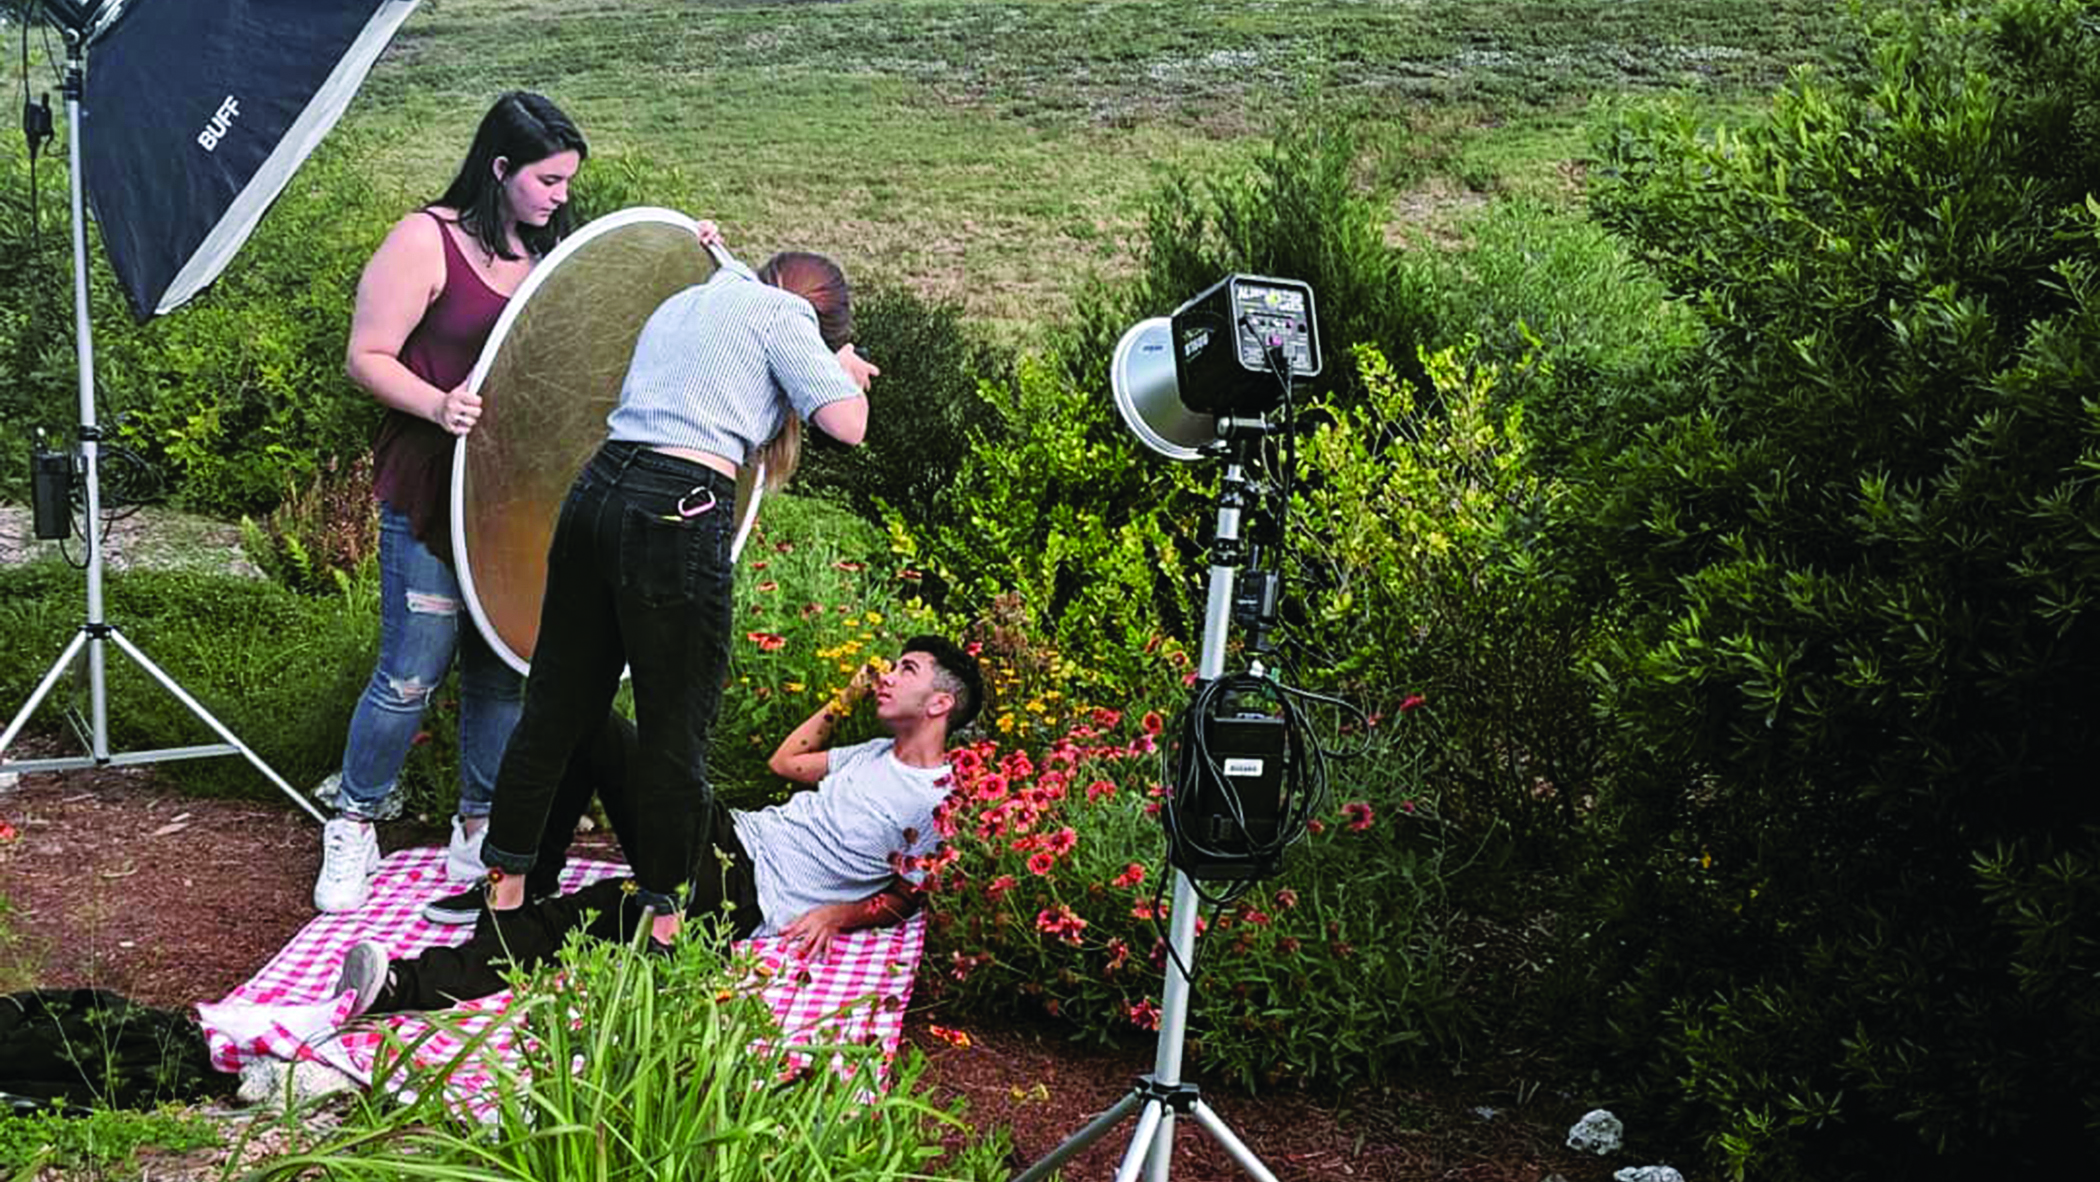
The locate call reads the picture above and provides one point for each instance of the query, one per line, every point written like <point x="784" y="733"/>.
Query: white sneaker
<point x="364" y="970"/>
<point x="349" y="858"/>
<point x="463" y="854"/>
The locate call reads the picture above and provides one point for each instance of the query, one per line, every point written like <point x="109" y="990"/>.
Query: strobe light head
<point x="1226" y="352"/>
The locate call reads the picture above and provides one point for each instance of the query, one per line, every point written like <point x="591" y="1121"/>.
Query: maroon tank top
<point x="412" y="456"/>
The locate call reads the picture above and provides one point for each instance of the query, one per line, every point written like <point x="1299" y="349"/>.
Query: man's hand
<point x="810" y="934"/>
<point x="858" y="689"/>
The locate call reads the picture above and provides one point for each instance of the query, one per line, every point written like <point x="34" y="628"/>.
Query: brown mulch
<point x="117" y="881"/>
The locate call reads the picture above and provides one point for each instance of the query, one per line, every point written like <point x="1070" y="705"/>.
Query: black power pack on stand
<point x="1228" y="798"/>
<point x="51" y="491"/>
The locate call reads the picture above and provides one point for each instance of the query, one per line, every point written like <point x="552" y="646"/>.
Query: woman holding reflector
<point x="425" y="305"/>
<point x="639" y="574"/>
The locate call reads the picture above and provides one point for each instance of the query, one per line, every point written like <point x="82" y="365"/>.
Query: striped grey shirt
<point x="719" y="364"/>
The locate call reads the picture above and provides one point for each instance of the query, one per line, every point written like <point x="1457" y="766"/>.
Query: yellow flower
<point x="874" y="618"/>
<point x="794" y="687"/>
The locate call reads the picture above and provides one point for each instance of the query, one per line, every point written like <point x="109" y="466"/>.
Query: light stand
<point x="97" y="632"/>
<point x="1163" y="1094"/>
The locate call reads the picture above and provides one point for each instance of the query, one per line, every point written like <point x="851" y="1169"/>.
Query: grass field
<point x="994" y="153"/>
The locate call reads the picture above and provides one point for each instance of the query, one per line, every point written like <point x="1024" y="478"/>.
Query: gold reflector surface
<point x="548" y="377"/>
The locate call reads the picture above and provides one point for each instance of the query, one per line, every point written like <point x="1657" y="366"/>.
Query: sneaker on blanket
<point x="349" y="858"/>
<point x="463" y="853"/>
<point x="460" y="909"/>
<point x="364" y="970"/>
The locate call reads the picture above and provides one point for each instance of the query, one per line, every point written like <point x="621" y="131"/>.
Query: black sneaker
<point x="466" y="907"/>
<point x="460" y="909"/>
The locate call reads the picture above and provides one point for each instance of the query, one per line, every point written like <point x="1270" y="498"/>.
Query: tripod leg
<point x="43" y="690"/>
<point x="1145" y="1142"/>
<point x="1222" y="1133"/>
<point x="1093" y="1132"/>
<point x="226" y="735"/>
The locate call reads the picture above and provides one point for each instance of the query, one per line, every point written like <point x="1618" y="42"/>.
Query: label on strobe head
<point x="1239" y="768"/>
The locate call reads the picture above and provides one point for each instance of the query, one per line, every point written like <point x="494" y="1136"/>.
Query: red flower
<point x="766" y="641"/>
<point x="1359" y="815"/>
<point x="1132" y="875"/>
<point x="1142" y="909"/>
<point x="1040" y="863"/>
<point x="908" y="575"/>
<point x="1410" y="702"/>
<point x="1118" y="955"/>
<point x="1286" y="898"/>
<point x="849" y="566"/>
<point x="1152" y="722"/>
<point x="1407" y="806"/>
<point x="1061" y="842"/>
<point x="783" y="547"/>
<point x="974" y="648"/>
<point x="769" y="585"/>
<point x="1105" y="718"/>
<point x="1259" y="919"/>
<point x="989" y="787"/>
<point x="759" y="565"/>
<point x="1316" y="826"/>
<point x="1145" y="1015"/>
<point x="8" y="832"/>
<point x="999" y="886"/>
<point x="1099" y="790"/>
<point x="1060" y="921"/>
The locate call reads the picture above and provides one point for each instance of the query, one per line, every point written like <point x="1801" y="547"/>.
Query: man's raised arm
<point x="804" y="756"/>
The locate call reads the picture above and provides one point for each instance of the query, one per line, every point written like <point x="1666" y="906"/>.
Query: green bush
<point x="1065" y="521"/>
<point x="636" y="1066"/>
<point x="1434" y="576"/>
<point x="928" y="409"/>
<point x="1300" y="212"/>
<point x="1579" y="330"/>
<point x="105" y="1143"/>
<point x="1852" y="852"/>
<point x="281" y="670"/>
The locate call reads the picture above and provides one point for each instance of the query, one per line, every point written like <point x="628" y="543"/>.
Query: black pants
<point x="610" y="910"/>
<point x="638" y="575"/>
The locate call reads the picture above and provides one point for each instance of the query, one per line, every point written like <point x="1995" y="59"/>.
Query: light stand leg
<point x="97" y="631"/>
<point x="1162" y="1093"/>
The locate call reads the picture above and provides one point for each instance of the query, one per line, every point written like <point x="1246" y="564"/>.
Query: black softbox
<point x="196" y="114"/>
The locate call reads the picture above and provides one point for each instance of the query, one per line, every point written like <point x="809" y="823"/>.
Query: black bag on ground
<point x="77" y="1048"/>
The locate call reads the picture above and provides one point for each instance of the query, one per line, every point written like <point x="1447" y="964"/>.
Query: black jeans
<point x="721" y="876"/>
<point x="638" y="575"/>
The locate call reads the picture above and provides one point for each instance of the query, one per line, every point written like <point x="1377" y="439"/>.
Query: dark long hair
<point x="523" y="128"/>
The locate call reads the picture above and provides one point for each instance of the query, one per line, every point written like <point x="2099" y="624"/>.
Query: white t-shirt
<point x="838" y="843"/>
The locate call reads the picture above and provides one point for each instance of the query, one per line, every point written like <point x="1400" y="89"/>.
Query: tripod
<point x="1163" y="1094"/>
<point x="97" y="633"/>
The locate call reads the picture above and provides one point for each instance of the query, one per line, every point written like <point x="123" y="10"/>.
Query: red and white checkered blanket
<point x="286" y="1012"/>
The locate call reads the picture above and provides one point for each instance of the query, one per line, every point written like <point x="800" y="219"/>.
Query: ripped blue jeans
<point x="423" y="622"/>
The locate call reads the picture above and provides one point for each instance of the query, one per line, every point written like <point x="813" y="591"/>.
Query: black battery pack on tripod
<point x="51" y="490"/>
<point x="1227" y="818"/>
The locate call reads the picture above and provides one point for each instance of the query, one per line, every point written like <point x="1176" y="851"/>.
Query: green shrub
<point x="1300" y="212"/>
<point x="928" y="410"/>
<point x="1434" y="575"/>
<point x="1063" y="520"/>
<point x="105" y="1143"/>
<point x="1052" y="899"/>
<point x="1841" y="927"/>
<point x="279" y="669"/>
<point x="637" y="1066"/>
<point x="1576" y="326"/>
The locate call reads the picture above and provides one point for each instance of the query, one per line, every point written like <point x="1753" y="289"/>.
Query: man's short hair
<point x="958" y="676"/>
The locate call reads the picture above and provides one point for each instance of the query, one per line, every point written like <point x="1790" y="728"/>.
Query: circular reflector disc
<point x="1148" y="395"/>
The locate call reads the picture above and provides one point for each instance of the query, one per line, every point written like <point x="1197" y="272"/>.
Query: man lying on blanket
<point x="823" y="862"/>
